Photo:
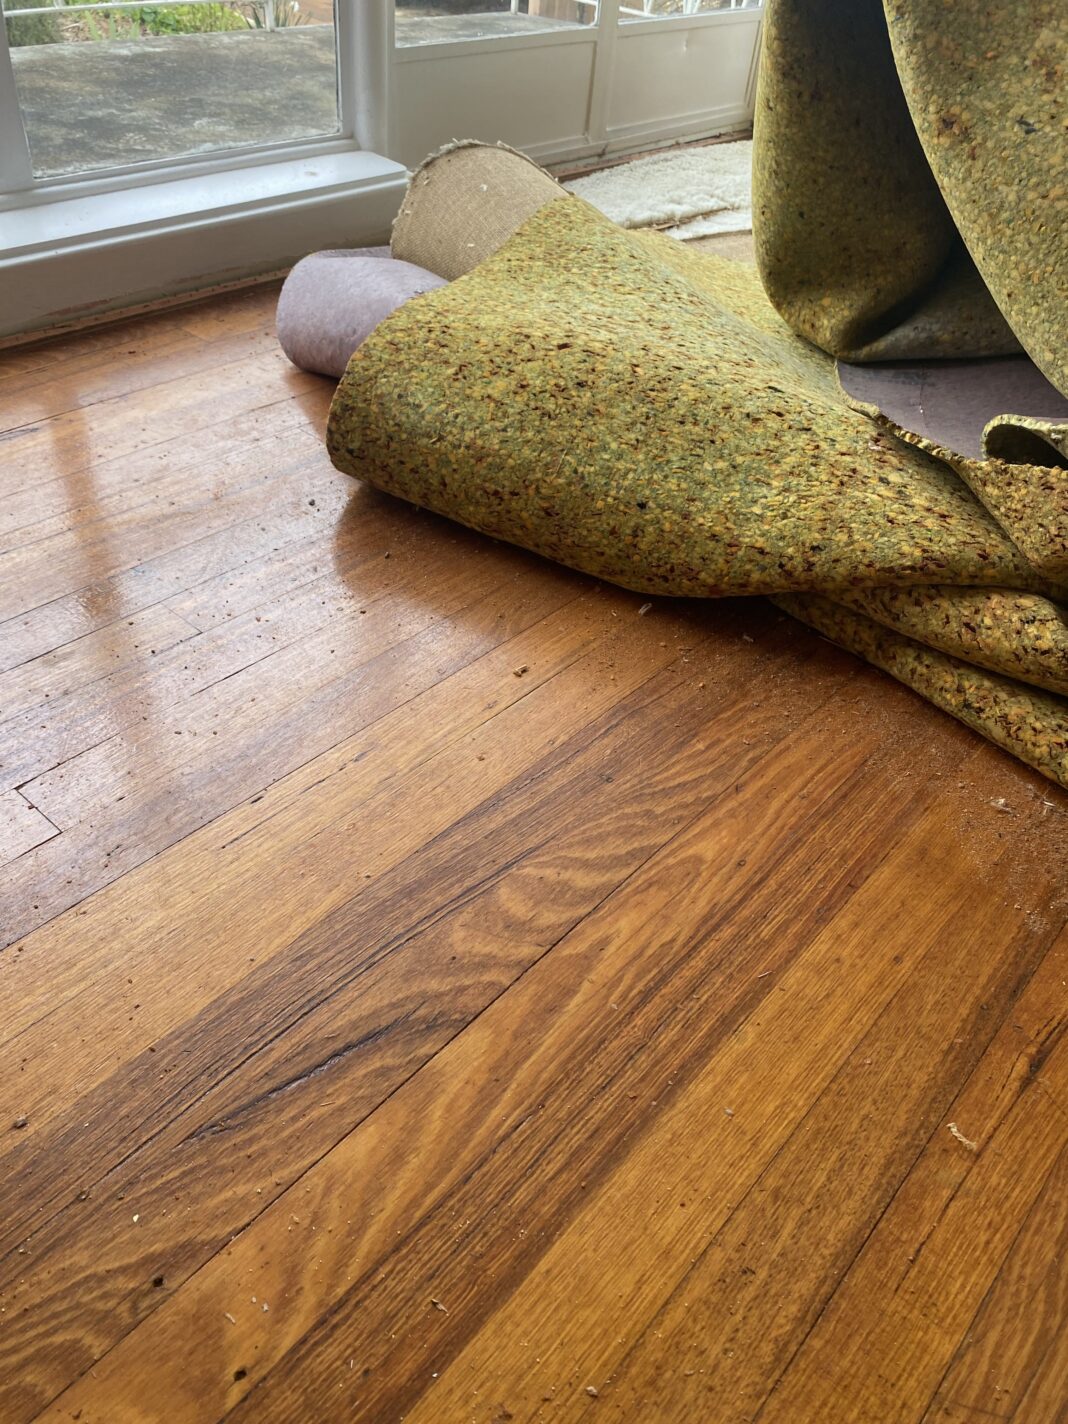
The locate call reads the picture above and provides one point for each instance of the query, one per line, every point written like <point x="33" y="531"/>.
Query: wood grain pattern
<point x="441" y="987"/>
<point x="22" y="826"/>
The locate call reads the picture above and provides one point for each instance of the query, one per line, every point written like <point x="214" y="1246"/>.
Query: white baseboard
<point x="635" y="138"/>
<point x="702" y="123"/>
<point x="69" y="260"/>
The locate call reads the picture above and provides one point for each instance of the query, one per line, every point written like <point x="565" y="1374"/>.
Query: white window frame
<point x="75" y="246"/>
<point x="439" y="69"/>
<point x="78" y="246"/>
<point x="363" y="39"/>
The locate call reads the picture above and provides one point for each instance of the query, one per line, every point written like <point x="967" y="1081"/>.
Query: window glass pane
<point x="418" y="22"/>
<point x="660" y="9"/>
<point x="103" y="86"/>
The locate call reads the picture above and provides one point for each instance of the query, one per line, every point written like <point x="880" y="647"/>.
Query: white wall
<point x="531" y="92"/>
<point x="574" y="93"/>
<point x="673" y="81"/>
<point x="83" y="256"/>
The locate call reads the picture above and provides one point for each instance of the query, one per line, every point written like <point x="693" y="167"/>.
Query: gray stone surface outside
<point x="104" y="103"/>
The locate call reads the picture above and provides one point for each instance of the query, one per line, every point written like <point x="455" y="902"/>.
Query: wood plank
<point x="22" y="826"/>
<point x="704" y="1151"/>
<point x="65" y="672"/>
<point x="622" y="1007"/>
<point x="1044" y="1394"/>
<point x="125" y="425"/>
<point x="32" y="363"/>
<point x="236" y="311"/>
<point x="883" y="1344"/>
<point x="90" y="537"/>
<point x="1011" y="1362"/>
<point x="413" y="968"/>
<point x="123" y="373"/>
<point x="171" y="469"/>
<point x="163" y="485"/>
<point x="742" y="1310"/>
<point x="53" y="364"/>
<point x="168" y="798"/>
<point x="118" y="581"/>
<point x="134" y="698"/>
<point x="207" y="318"/>
<point x="281" y="824"/>
<point x="325" y="627"/>
<point x="298" y="830"/>
<point x="406" y="898"/>
<point x="423" y="751"/>
<point x="268" y="572"/>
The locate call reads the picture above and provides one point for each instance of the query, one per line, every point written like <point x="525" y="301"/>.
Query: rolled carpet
<point x="910" y="176"/>
<point x="332" y="301"/>
<point x="654" y="416"/>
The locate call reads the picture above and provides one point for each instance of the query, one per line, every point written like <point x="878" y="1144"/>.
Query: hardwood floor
<point x="440" y="987"/>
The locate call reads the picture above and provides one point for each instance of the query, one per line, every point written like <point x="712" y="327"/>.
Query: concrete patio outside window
<point x="103" y="103"/>
<point x="96" y="103"/>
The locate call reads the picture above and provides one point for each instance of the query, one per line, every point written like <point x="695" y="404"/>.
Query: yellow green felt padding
<point x="633" y="408"/>
<point x="910" y="176"/>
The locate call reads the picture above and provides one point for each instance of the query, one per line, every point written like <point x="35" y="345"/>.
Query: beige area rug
<point x="688" y="193"/>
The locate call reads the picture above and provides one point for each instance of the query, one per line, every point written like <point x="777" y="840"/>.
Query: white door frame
<point x="604" y="67"/>
<point x="555" y="93"/>
<point x="15" y="168"/>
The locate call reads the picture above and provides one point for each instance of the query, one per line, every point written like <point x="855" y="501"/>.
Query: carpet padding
<point x="669" y="421"/>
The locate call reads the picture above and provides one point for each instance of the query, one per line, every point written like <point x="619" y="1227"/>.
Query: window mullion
<point x="604" y="65"/>
<point x="365" y="55"/>
<point x="16" y="169"/>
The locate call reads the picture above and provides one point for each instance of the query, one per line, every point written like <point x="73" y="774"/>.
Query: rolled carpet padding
<point x="910" y="176"/>
<point x="1027" y="440"/>
<point x="1020" y="635"/>
<point x="616" y="401"/>
<point x="332" y="301"/>
<point x="1030" y="724"/>
<point x="636" y="409"/>
<point x="464" y="202"/>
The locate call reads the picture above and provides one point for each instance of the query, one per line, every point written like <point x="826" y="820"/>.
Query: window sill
<point x="81" y="255"/>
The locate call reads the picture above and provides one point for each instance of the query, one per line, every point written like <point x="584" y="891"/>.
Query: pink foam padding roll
<point x="332" y="301"/>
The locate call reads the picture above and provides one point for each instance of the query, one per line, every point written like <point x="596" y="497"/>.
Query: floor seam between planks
<point x="902" y="1185"/>
<point x="616" y="888"/>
